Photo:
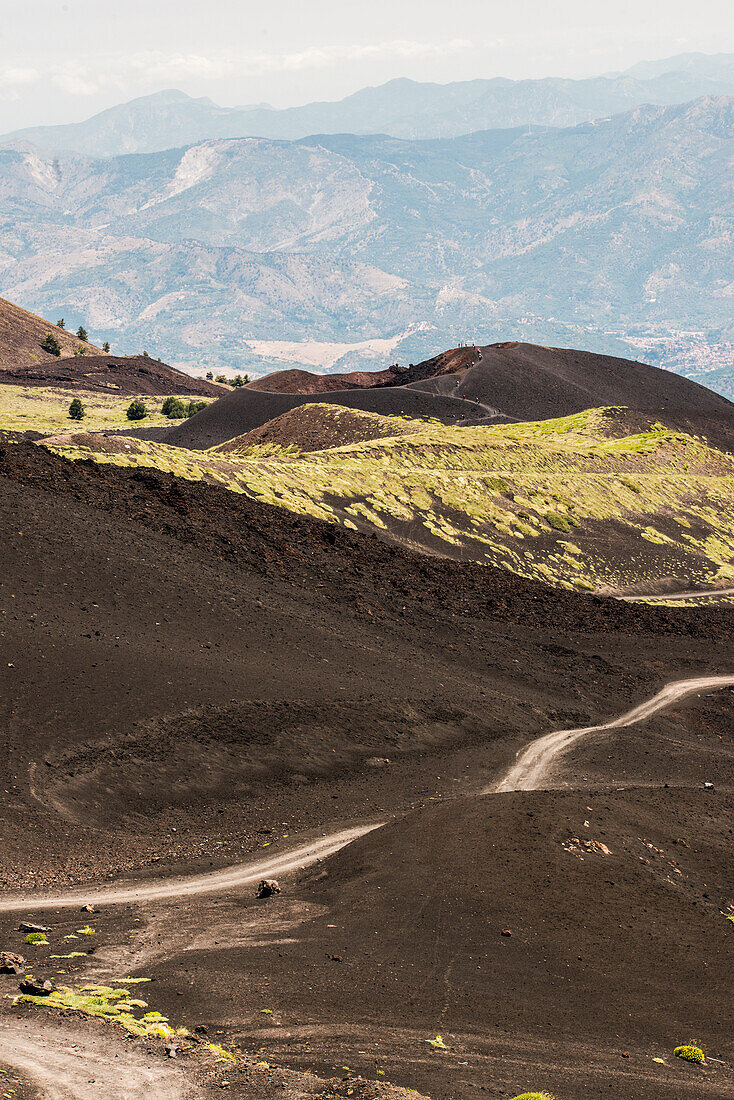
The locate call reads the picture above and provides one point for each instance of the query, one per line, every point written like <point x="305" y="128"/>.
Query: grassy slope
<point x="46" y="409"/>
<point x="557" y="500"/>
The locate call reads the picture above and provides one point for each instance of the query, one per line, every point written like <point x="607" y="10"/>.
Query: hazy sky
<point x="62" y="60"/>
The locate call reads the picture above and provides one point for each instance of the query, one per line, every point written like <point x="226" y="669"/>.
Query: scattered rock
<point x="10" y="963"/>
<point x="708" y="786"/>
<point x="201" y="1029"/>
<point x="266" y="888"/>
<point x="578" y="846"/>
<point x="377" y="762"/>
<point x="34" y="987"/>
<point x="88" y="909"/>
<point x="26" y="926"/>
<point x="172" y="1050"/>
<point x="506" y="932"/>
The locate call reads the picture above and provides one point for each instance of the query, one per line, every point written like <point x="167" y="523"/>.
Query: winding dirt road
<point x="241" y="874"/>
<point x="529" y="772"/>
<point x="67" y="1066"/>
<point x="535" y="762"/>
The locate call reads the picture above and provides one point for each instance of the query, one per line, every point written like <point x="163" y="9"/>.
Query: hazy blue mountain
<point x="615" y="235"/>
<point x="400" y="108"/>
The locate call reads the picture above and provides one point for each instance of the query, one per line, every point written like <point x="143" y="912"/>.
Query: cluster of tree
<point x="176" y="409"/>
<point x="173" y="407"/>
<point x="51" y="344"/>
<point x="238" y="380"/>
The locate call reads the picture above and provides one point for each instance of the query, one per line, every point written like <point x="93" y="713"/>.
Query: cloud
<point x="13" y="78"/>
<point x="321" y="58"/>
<point x="157" y="66"/>
<point x="77" y="83"/>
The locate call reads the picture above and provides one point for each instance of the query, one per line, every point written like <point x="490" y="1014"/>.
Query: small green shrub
<point x="195" y="407"/>
<point x="136" y="410"/>
<point x="437" y="1043"/>
<point x="51" y="344"/>
<point x="174" y="408"/>
<point x="79" y="351"/>
<point x="81" y="332"/>
<point x="106" y="346"/>
<point x="690" y="1054"/>
<point x="77" y="410"/>
<point x="36" y="937"/>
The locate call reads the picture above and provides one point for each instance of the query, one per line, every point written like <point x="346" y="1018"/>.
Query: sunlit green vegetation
<point x="548" y="500"/>
<point x="46" y="409"/>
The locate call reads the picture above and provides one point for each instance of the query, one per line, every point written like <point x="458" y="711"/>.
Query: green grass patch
<point x="46" y="409"/>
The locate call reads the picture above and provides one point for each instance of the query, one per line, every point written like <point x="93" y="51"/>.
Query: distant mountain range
<point x="350" y="252"/>
<point x="401" y="108"/>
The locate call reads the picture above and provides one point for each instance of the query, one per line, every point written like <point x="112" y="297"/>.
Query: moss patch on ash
<point x="116" y="1005"/>
<point x="690" y="1054"/>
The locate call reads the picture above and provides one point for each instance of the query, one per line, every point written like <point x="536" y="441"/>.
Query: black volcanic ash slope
<point x="171" y="648"/>
<point x="519" y="381"/>
<point x="529" y="382"/>
<point x="246" y="409"/>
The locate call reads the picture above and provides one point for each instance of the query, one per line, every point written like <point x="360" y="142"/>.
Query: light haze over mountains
<point x="536" y="217"/>
<point x="401" y="108"/>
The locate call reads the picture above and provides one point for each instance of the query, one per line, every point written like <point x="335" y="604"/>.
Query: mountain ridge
<point x="401" y="108"/>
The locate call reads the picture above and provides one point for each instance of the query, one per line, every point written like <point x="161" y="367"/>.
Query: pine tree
<point x="51" y="344"/>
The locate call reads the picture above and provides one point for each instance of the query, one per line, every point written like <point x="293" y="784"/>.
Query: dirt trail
<point x="695" y="594"/>
<point x="239" y="875"/>
<point x="490" y="412"/>
<point x="535" y="762"/>
<point x="66" y="1065"/>
<point x="529" y="771"/>
<point x="70" y="1065"/>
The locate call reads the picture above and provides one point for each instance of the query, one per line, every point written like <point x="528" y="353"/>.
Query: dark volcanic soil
<point x="305" y="381"/>
<point x="173" y="654"/>
<point x="188" y="676"/>
<point x="246" y="409"/>
<point x="528" y="382"/>
<point x="500" y="381"/>
<point x="130" y="374"/>
<point x="310" y="429"/>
